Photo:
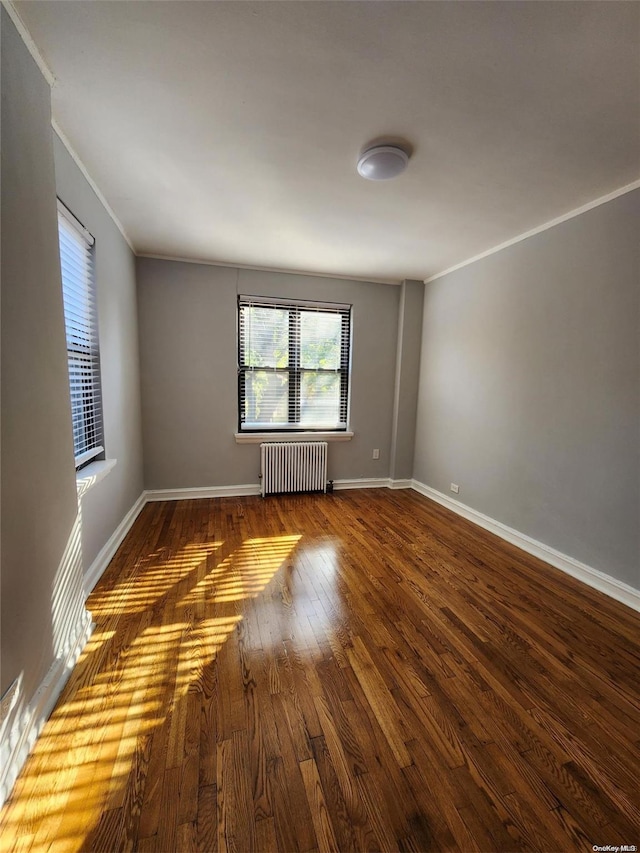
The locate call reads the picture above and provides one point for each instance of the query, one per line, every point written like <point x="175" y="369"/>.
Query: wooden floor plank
<point x="323" y="828"/>
<point x="357" y="671"/>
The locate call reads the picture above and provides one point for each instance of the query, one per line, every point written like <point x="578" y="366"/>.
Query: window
<point x="293" y="365"/>
<point x="83" y="354"/>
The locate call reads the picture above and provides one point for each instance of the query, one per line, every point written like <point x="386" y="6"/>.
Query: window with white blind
<point x="293" y="365"/>
<point x="81" y="326"/>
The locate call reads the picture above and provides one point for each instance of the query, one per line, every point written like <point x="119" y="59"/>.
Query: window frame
<point x="294" y="370"/>
<point x="82" y="292"/>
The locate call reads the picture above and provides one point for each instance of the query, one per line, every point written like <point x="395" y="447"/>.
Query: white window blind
<point x="293" y="365"/>
<point x="83" y="353"/>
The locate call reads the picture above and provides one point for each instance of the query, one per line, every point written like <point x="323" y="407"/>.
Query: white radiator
<point x="293" y="466"/>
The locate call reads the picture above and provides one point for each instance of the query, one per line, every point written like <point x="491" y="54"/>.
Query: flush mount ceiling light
<point x="382" y="162"/>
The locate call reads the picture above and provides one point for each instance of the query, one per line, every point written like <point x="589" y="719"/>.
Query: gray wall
<point x="529" y="392"/>
<point x="187" y="317"/>
<point x="403" y="434"/>
<point x="41" y="575"/>
<point x="106" y="504"/>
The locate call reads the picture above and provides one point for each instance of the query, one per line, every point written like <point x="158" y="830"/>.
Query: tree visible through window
<point x="293" y="365"/>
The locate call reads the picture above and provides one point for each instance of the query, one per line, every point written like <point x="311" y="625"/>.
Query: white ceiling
<point x="229" y="131"/>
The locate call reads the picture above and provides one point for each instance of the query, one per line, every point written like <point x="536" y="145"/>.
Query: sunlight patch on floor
<point x="157" y="631"/>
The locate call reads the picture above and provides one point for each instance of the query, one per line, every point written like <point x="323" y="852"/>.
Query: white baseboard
<point x="105" y="555"/>
<point x="592" y="577"/>
<point x="400" y="484"/>
<point x="24" y="722"/>
<point x="362" y="483"/>
<point x="251" y="489"/>
<point x="203" y="492"/>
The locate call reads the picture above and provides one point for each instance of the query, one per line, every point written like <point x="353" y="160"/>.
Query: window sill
<point x="259" y="437"/>
<point x="88" y="477"/>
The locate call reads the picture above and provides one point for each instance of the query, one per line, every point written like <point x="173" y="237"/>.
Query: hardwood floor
<point x="361" y="671"/>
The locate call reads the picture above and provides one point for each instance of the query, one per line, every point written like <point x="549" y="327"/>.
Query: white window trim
<point x="259" y="437"/>
<point x="91" y="474"/>
<point x="83" y="301"/>
<point x="293" y="432"/>
<point x="88" y="455"/>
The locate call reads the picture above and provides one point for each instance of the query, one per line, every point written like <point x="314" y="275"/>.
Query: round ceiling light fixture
<point x="382" y="162"/>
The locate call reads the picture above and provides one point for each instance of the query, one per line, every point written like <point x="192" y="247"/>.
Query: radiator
<point x="293" y="466"/>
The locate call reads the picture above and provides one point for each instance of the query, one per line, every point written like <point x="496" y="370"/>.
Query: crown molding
<point x="76" y="159"/>
<point x="51" y="80"/>
<point x="49" y="76"/>
<point x="236" y="266"/>
<point x="30" y="44"/>
<point x="578" y="211"/>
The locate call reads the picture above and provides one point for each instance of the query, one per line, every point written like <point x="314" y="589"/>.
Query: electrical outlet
<point x="376" y="454"/>
<point x="455" y="488"/>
